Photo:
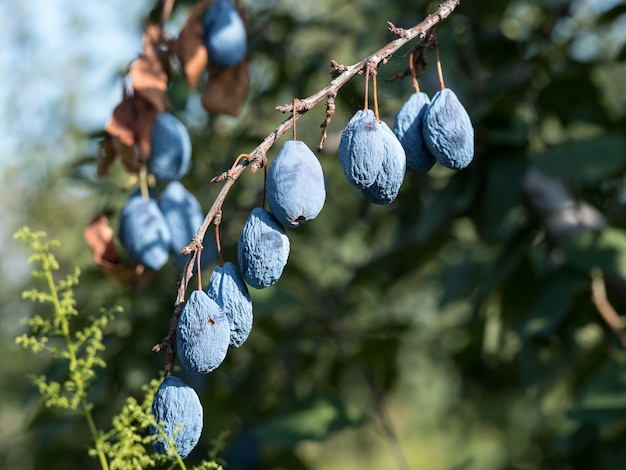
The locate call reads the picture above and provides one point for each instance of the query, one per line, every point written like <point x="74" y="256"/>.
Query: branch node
<point x="400" y="32"/>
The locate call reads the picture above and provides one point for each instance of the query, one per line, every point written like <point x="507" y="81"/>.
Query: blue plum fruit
<point x="228" y="289"/>
<point x="385" y="188"/>
<point x="170" y="154"/>
<point x="448" y="130"/>
<point x="407" y="127"/>
<point x="296" y="187"/>
<point x="361" y="150"/>
<point x="202" y="334"/>
<point x="183" y="216"/>
<point x="177" y="408"/>
<point x="225" y="34"/>
<point x="143" y="232"/>
<point x="263" y="249"/>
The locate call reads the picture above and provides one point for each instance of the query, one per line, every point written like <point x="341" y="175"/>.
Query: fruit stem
<point x="264" y="186"/>
<point x="412" y="69"/>
<point x="143" y="183"/>
<point x="218" y="242"/>
<point x="375" y="97"/>
<point x="294" y="111"/>
<point x="367" y="81"/>
<point x="198" y="268"/>
<point x="439" y="71"/>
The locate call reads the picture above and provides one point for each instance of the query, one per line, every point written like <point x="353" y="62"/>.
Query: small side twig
<point x="604" y="307"/>
<point x="330" y="112"/>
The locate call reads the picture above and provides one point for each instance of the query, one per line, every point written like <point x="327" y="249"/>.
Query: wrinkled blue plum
<point x="170" y="154"/>
<point x="143" y="232"/>
<point x="407" y="127"/>
<point x="389" y="179"/>
<point x="448" y="130"/>
<point x="361" y="149"/>
<point x="224" y="34"/>
<point x="263" y="249"/>
<point x="177" y="408"/>
<point x="228" y="289"/>
<point x="202" y="334"/>
<point x="296" y="187"/>
<point x="184" y="216"/>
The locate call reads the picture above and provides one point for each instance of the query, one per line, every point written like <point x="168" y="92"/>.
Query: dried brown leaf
<point x="226" y="88"/>
<point x="190" y="48"/>
<point x="131" y="124"/>
<point x="148" y="72"/>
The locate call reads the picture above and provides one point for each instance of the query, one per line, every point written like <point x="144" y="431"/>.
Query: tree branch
<point x="257" y="158"/>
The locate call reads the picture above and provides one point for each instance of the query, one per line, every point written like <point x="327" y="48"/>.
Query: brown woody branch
<point x="257" y="158"/>
<point x="604" y="307"/>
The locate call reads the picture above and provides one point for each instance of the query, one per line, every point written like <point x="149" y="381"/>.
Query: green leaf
<point x="314" y="420"/>
<point x="605" y="250"/>
<point x="584" y="161"/>
<point x="602" y="398"/>
<point x="553" y="302"/>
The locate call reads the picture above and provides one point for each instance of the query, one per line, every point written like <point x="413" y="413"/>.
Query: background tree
<point x="459" y="327"/>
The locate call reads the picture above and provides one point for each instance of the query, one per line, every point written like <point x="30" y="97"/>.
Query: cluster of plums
<point x="375" y="158"/>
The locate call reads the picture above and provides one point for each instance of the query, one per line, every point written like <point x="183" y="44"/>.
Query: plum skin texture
<point x="170" y="154"/>
<point x="178" y="407"/>
<point x="448" y="131"/>
<point x="225" y="34"/>
<point x="361" y="149"/>
<point x="228" y="289"/>
<point x="385" y="188"/>
<point x="143" y="232"/>
<point x="263" y="249"/>
<point x="202" y="334"/>
<point x="407" y="127"/>
<point x="296" y="187"/>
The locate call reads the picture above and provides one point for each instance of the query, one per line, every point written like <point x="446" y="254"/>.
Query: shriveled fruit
<point x="202" y="334"/>
<point x="224" y="34"/>
<point x="143" y="232"/>
<point x="263" y="249"/>
<point x="177" y="408"/>
<point x="361" y="149"/>
<point x="407" y="127"/>
<point x="296" y="187"/>
<point x="228" y="289"/>
<point x="448" y="130"/>
<point x="170" y="155"/>
<point x="385" y="188"/>
<point x="184" y="216"/>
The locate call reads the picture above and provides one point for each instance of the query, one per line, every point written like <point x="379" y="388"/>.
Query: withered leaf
<point x="190" y="48"/>
<point x="226" y="88"/>
<point x="149" y="72"/>
<point x="99" y="235"/>
<point x="132" y="123"/>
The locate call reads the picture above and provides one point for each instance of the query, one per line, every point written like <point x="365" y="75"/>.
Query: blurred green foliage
<point x="452" y="329"/>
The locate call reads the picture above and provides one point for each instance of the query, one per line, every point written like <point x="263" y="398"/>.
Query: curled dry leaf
<point x="149" y="72"/>
<point x="190" y="48"/>
<point x="131" y="126"/>
<point x="226" y="88"/>
<point x="99" y="235"/>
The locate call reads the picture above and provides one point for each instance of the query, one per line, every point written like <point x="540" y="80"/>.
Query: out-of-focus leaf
<point x="190" y="48"/>
<point x="584" y="161"/>
<point x="226" y="89"/>
<point x="605" y="250"/>
<point x="610" y="15"/>
<point x="603" y="397"/>
<point x="106" y="155"/>
<point x="148" y="76"/>
<point x="555" y="298"/>
<point x="314" y="420"/>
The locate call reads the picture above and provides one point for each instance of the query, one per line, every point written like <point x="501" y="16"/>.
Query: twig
<point x="604" y="307"/>
<point x="257" y="158"/>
